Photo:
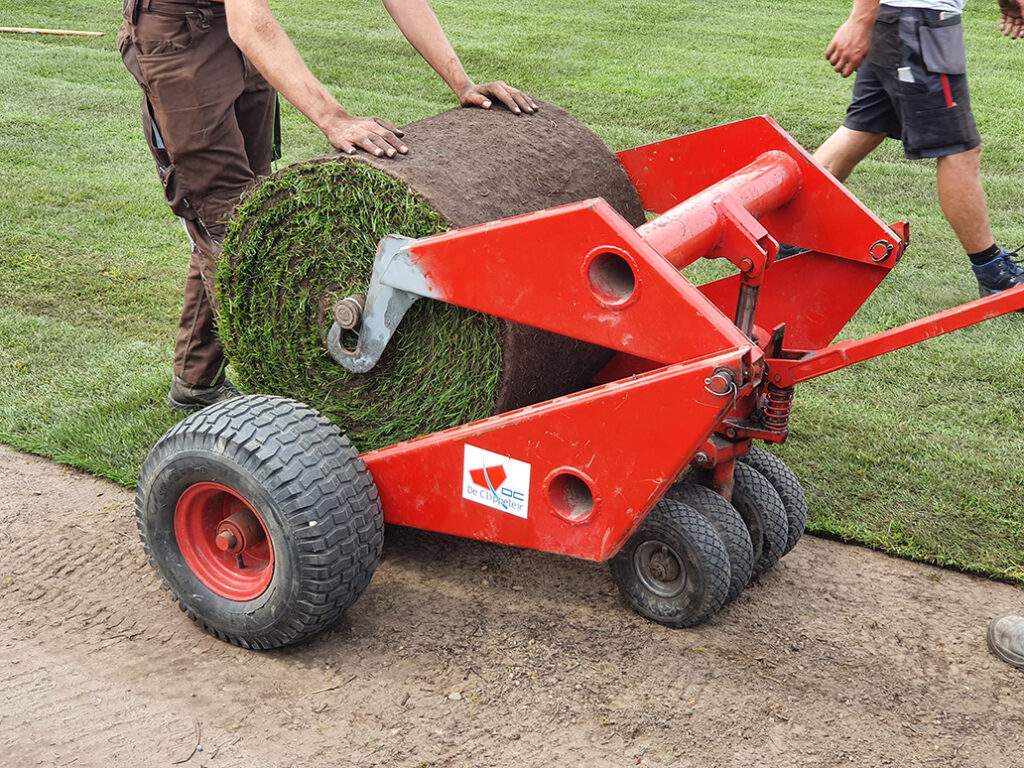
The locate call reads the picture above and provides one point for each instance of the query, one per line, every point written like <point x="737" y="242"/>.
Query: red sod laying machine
<point x="266" y="524"/>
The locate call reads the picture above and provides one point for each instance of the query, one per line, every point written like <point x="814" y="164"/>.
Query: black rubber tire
<point x="755" y="497"/>
<point x="315" y="495"/>
<point x="706" y="566"/>
<point x="729" y="525"/>
<point x="788" y="487"/>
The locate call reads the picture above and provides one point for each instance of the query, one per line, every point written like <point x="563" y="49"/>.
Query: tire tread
<point x="729" y="525"/>
<point x="752" y="490"/>
<point x="788" y="486"/>
<point x="314" y="475"/>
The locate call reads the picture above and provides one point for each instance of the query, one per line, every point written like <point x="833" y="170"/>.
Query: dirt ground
<point x="464" y="654"/>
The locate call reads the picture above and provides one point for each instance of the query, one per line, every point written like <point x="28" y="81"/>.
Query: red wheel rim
<point x="209" y="516"/>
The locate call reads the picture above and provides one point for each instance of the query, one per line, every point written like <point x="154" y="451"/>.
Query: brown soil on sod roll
<point x="307" y="235"/>
<point x="473" y="166"/>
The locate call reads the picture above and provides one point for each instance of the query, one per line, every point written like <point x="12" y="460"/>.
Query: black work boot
<point x="1006" y="639"/>
<point x="184" y="397"/>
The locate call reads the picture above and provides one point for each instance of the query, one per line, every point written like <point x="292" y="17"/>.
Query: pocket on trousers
<point x="157" y="34"/>
<point x="885" y="45"/>
<point x="942" y="49"/>
<point x="176" y="198"/>
<point x="927" y="126"/>
<point x="170" y="83"/>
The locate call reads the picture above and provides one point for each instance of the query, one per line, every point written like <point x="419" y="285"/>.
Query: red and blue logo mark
<point x="489" y="477"/>
<point x="496" y="481"/>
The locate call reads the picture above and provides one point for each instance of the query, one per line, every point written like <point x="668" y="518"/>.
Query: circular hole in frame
<point x="570" y="497"/>
<point x="611" y="278"/>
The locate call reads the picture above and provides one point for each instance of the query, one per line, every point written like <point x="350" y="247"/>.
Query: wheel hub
<point x="659" y="568"/>
<point x="664" y="566"/>
<point x="239" y="532"/>
<point x="224" y="541"/>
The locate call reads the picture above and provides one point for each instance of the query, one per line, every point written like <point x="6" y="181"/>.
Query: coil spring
<point x="778" y="404"/>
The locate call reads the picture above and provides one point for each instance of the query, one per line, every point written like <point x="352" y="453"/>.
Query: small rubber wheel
<point x="261" y="519"/>
<point x="674" y="569"/>
<point x="788" y="487"/>
<point x="730" y="528"/>
<point x="757" y="500"/>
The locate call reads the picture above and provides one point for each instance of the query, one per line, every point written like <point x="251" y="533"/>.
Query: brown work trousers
<point x="209" y="118"/>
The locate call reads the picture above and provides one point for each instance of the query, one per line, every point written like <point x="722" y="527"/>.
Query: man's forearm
<point x="257" y="33"/>
<point x="864" y="11"/>
<point x="421" y="28"/>
<point x="852" y="41"/>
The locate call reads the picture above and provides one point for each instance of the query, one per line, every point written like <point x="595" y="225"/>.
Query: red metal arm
<point x="597" y="462"/>
<point x="785" y="372"/>
<point x="815" y="293"/>
<point x="579" y="270"/>
<point x="823" y="217"/>
<point x="695" y="228"/>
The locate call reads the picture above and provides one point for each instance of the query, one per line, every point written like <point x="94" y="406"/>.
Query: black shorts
<point x="913" y="85"/>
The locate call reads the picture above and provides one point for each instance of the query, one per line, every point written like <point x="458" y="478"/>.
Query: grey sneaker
<point x="1006" y="639"/>
<point x="183" y="397"/>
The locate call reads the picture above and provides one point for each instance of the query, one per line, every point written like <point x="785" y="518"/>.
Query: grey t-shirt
<point x="950" y="6"/>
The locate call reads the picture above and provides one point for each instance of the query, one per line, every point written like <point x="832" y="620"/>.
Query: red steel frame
<point x="687" y="385"/>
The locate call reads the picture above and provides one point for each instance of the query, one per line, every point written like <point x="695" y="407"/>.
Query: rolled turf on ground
<point x="307" y="236"/>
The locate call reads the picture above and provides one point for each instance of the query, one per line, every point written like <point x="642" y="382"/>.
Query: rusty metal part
<point x="238" y="532"/>
<point x="348" y="312"/>
<point x="778" y="404"/>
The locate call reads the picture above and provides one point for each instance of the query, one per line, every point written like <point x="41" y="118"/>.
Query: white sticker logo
<point x="496" y="481"/>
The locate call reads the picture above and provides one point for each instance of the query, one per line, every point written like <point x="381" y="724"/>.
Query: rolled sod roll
<point x="307" y="235"/>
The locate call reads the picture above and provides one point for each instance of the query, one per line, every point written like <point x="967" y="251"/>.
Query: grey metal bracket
<point x="395" y="284"/>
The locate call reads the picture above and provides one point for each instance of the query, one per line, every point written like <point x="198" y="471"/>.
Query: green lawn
<point x="918" y="454"/>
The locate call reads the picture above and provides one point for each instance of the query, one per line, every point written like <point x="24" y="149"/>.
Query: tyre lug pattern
<point x="312" y="474"/>
<point x="753" y="496"/>
<point x="729" y="525"/>
<point x="787" y="485"/>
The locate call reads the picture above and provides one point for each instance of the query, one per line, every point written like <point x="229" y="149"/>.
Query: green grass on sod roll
<point x="289" y="243"/>
<point x="918" y="453"/>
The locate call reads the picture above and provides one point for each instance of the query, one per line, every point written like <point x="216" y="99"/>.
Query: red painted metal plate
<point x="624" y="443"/>
<point x="582" y="271"/>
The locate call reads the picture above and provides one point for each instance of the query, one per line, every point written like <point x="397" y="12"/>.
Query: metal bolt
<point x="226" y="540"/>
<point x="664" y="567"/>
<point x="348" y="312"/>
<point x="702" y="458"/>
<point x="746" y="264"/>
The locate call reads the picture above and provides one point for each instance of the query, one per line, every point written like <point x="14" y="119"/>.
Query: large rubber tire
<point x="313" y="494"/>
<point x="755" y="498"/>
<point x="694" y="546"/>
<point x="788" y="487"/>
<point x="730" y="527"/>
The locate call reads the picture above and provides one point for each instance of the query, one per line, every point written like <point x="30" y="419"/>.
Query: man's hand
<point x="850" y="46"/>
<point x="256" y="32"/>
<point x="1011" y="23"/>
<point x="480" y="96"/>
<point x="370" y="134"/>
<point x="420" y="26"/>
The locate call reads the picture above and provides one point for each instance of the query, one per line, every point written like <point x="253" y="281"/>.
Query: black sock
<point x="984" y="257"/>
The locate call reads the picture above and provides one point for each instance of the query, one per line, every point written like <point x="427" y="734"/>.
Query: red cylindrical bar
<point x="693" y="228"/>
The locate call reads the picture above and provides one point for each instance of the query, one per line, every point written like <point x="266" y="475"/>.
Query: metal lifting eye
<point x="886" y="250"/>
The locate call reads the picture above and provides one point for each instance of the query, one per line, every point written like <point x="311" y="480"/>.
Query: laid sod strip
<point x="915" y="453"/>
<point x="306" y="237"/>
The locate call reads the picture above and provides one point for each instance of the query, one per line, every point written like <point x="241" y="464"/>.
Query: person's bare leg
<point x="844" y="150"/>
<point x="963" y="201"/>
